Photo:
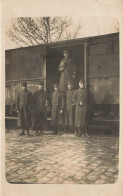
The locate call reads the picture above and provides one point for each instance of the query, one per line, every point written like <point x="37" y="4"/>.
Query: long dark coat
<point x="24" y="106"/>
<point x="58" y="103"/>
<point x="80" y="95"/>
<point x="67" y="68"/>
<point x="40" y="98"/>
<point x="69" y="108"/>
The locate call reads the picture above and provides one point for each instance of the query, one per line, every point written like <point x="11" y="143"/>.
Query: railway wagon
<point x="97" y="62"/>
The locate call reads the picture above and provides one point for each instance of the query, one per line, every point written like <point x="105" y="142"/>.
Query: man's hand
<point x="74" y="76"/>
<point x="61" y="111"/>
<point x="81" y="103"/>
<point x="17" y="111"/>
<point x="46" y="103"/>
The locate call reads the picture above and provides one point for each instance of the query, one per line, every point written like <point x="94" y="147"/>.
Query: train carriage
<point x="96" y="59"/>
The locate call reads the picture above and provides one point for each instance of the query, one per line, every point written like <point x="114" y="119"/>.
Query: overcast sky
<point x="97" y="17"/>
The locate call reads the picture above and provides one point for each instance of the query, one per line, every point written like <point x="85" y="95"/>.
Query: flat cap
<point x="24" y="84"/>
<point x="41" y="83"/>
<point x="70" y="83"/>
<point x="82" y="81"/>
<point x="65" y="51"/>
<point x="56" y="85"/>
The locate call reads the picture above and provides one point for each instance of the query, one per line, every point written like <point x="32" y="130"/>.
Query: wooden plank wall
<point x="103" y="70"/>
<point x="27" y="63"/>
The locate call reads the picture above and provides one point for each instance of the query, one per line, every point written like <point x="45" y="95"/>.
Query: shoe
<point x="59" y="133"/>
<point x="36" y="133"/>
<point x="86" y="135"/>
<point x="28" y="135"/>
<point x="22" y="133"/>
<point x="79" y="135"/>
<point x="40" y="133"/>
<point x="54" y="133"/>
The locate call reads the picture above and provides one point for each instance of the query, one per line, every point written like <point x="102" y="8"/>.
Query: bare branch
<point x="32" y="31"/>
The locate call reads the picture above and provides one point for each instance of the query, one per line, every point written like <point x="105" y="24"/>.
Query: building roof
<point x="71" y="42"/>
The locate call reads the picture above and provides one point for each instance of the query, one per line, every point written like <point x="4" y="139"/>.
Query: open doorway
<point x="53" y="58"/>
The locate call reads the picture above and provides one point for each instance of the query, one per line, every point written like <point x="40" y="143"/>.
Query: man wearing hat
<point x="67" y="68"/>
<point x="40" y="106"/>
<point x="24" y="109"/>
<point x="80" y="101"/>
<point x="58" y="103"/>
<point x="69" y="108"/>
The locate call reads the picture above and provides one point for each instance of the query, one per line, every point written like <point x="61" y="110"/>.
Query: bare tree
<point x="117" y="27"/>
<point x="29" y="31"/>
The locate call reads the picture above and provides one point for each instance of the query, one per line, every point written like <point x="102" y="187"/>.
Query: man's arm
<point x="17" y="103"/>
<point x="74" y="98"/>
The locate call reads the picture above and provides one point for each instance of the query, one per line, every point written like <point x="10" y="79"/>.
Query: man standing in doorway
<point x="24" y="109"/>
<point x="80" y="101"/>
<point x="40" y="107"/>
<point x="67" y="68"/>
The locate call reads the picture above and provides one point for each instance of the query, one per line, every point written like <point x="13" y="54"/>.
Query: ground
<point x="61" y="159"/>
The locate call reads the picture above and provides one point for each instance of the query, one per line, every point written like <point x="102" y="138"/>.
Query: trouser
<point x="79" y="131"/>
<point x="58" y="128"/>
<point x="69" y="128"/>
<point x="39" y="121"/>
<point x="24" y="131"/>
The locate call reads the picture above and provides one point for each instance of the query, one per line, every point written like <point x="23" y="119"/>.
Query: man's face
<point x="66" y="55"/>
<point x="24" y="88"/>
<point x="56" y="88"/>
<point x="69" y="86"/>
<point x="81" y="85"/>
<point x="40" y="87"/>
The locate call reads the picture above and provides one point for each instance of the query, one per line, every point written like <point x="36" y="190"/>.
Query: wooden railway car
<point x="96" y="59"/>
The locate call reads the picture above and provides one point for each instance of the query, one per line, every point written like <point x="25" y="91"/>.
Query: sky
<point x="98" y="17"/>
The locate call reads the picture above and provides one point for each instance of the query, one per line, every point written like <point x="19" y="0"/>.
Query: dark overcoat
<point x="58" y="103"/>
<point x="69" y="108"/>
<point x="80" y="95"/>
<point x="24" y="107"/>
<point x="67" y="68"/>
<point x="40" y="98"/>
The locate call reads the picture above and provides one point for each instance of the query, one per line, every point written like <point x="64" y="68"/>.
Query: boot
<point x="27" y="132"/>
<point x="36" y="133"/>
<point x="76" y="131"/>
<point x="40" y="132"/>
<point x="79" y="132"/>
<point x="22" y="133"/>
<point x="85" y="134"/>
<point x="55" y="130"/>
<point x="66" y="129"/>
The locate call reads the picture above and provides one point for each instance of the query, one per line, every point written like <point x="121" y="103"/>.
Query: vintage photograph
<point x="61" y="102"/>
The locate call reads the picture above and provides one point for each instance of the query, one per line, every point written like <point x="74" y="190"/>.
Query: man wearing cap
<point x="58" y="103"/>
<point x="40" y="106"/>
<point x="24" y="109"/>
<point x="69" y="108"/>
<point x="80" y="101"/>
<point x="67" y="68"/>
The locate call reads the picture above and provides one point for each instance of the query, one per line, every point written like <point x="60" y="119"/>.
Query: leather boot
<point x="79" y="132"/>
<point x="27" y="132"/>
<point x="22" y="133"/>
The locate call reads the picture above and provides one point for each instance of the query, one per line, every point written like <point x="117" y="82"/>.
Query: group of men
<point x="69" y="106"/>
<point x="69" y="109"/>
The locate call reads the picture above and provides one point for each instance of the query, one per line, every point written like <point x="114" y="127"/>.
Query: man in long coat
<point x="58" y="103"/>
<point x="24" y="109"/>
<point x="40" y="107"/>
<point x="67" y="68"/>
<point x="69" y="108"/>
<point x="80" y="101"/>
